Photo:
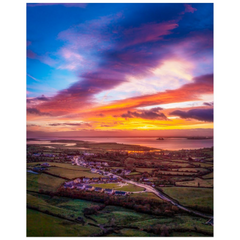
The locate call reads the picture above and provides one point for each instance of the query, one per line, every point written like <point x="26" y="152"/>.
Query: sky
<point x="119" y="69"/>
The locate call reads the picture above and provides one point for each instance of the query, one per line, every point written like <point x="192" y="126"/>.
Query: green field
<point x="210" y="175"/>
<point x="201" y="197"/>
<point x="195" y="182"/>
<point x="179" y="173"/>
<point x="145" y="195"/>
<point x="173" y="165"/>
<point x="43" y="225"/>
<point x="43" y="181"/>
<point x="59" y="206"/>
<point x="62" y="165"/>
<point x="191" y="170"/>
<point x="203" y="165"/>
<point x="141" y="170"/>
<point x="127" y="188"/>
<point x="70" y="173"/>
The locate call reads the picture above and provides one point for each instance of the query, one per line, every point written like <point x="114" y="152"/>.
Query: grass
<point x="60" y="206"/>
<point x="173" y="165"/>
<point x="35" y="182"/>
<point x="194" y="183"/>
<point x="192" y="170"/>
<point x="131" y="188"/>
<point x="62" y="165"/>
<point x="70" y="173"/>
<point x="141" y="170"/>
<point x="127" y="188"/>
<point x="179" y="223"/>
<point x="44" y="225"/>
<point x="210" y="175"/>
<point x="190" y="197"/>
<point x="41" y="224"/>
<point x="203" y="165"/>
<point x="177" y="173"/>
<point x="145" y="195"/>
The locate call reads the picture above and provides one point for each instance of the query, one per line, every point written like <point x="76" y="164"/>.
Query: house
<point x="95" y="179"/>
<point x="114" y="179"/>
<point x="120" y="193"/>
<point x="105" y="179"/>
<point x="80" y="186"/>
<point x="89" y="188"/>
<point x="109" y="191"/>
<point x="86" y="180"/>
<point x="45" y="164"/>
<point x="68" y="185"/>
<point x="98" y="189"/>
<point x="77" y="180"/>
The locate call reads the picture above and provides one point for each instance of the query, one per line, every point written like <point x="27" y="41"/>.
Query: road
<point x="159" y="194"/>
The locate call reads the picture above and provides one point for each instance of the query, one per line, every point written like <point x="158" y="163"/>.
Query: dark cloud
<point x="153" y="114"/>
<point x="32" y="125"/>
<point x="106" y="125"/>
<point x="35" y="111"/>
<point x="205" y="115"/>
<point x="100" y="115"/>
<point x="69" y="124"/>
<point x="210" y="104"/>
<point x="41" y="98"/>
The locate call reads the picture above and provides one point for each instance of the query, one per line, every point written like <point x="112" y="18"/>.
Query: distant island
<point x="159" y="139"/>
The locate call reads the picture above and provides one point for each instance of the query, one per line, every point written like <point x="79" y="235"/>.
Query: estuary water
<point x="167" y="143"/>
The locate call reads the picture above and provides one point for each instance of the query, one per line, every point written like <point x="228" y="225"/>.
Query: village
<point x="147" y="181"/>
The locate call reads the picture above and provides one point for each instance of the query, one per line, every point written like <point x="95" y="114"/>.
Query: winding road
<point x="159" y="194"/>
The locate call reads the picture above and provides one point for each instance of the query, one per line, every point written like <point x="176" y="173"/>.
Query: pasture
<point x="187" y="196"/>
<point x="36" y="182"/>
<point x="116" y="186"/>
<point x="71" y="173"/>
<point x="196" y="182"/>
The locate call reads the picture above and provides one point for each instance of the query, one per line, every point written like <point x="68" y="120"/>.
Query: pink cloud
<point x="148" y="32"/>
<point x="189" y="8"/>
<point x="31" y="54"/>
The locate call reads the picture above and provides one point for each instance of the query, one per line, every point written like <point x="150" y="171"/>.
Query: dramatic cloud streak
<point x="108" y="65"/>
<point x="146" y="114"/>
<point x="199" y="114"/>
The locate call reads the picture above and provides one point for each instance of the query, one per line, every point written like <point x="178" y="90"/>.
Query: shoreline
<point x="65" y="142"/>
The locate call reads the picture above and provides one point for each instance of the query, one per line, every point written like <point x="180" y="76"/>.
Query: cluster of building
<point x="41" y="167"/>
<point x="80" y="161"/>
<point x="89" y="188"/>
